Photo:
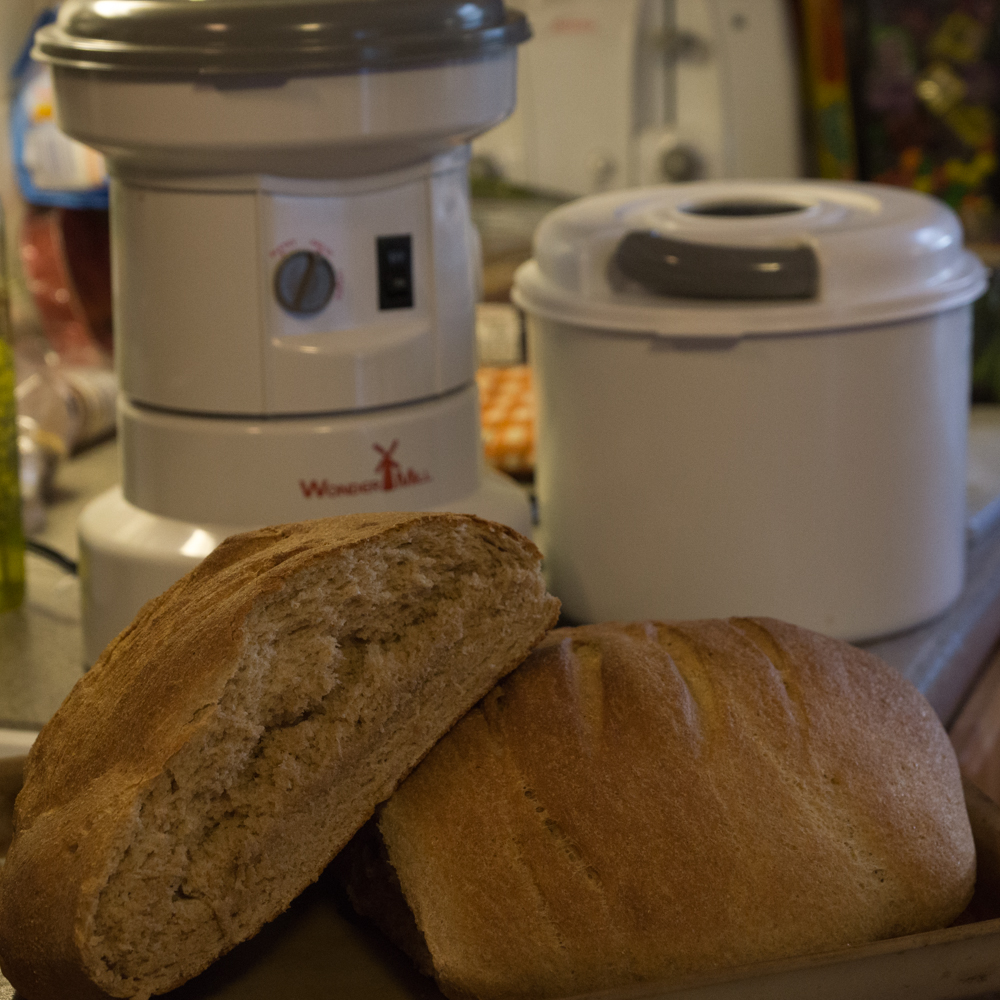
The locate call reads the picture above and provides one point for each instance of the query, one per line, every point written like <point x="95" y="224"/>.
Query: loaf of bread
<point x="236" y="735"/>
<point x="647" y="801"/>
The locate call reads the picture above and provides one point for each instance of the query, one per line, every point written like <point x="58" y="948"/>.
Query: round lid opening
<point x="741" y="258"/>
<point x="743" y="208"/>
<point x="183" y="38"/>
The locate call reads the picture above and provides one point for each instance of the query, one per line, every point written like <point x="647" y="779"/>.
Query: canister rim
<point x="273" y="38"/>
<point x="831" y="255"/>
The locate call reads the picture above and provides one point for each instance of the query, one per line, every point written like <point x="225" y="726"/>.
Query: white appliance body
<point x="194" y="257"/>
<point x="295" y="273"/>
<point x="817" y="478"/>
<point x="801" y="458"/>
<point x="619" y="93"/>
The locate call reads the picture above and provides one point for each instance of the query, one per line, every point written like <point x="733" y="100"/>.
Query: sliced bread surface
<point x="236" y="735"/>
<point x="648" y="801"/>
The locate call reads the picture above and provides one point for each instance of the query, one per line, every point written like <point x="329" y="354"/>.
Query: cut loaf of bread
<point x="236" y="735"/>
<point x="647" y="801"/>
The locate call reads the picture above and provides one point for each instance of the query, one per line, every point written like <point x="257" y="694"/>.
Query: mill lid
<point x="193" y="38"/>
<point x="734" y="258"/>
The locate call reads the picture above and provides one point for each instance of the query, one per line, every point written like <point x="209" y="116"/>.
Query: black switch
<point x="395" y="272"/>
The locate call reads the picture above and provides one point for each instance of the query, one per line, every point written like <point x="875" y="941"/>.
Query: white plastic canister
<point x="753" y="400"/>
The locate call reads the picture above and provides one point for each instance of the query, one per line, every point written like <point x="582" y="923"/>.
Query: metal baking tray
<point x="319" y="950"/>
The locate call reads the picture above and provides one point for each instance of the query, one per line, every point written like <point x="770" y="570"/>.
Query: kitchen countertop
<point x="41" y="643"/>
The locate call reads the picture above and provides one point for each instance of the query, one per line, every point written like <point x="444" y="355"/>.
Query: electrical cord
<point x="53" y="555"/>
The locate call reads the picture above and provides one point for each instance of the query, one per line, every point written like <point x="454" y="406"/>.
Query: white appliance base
<point x="253" y="470"/>
<point x="128" y="555"/>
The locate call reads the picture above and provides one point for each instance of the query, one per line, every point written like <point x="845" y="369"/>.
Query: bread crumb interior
<point x="345" y="680"/>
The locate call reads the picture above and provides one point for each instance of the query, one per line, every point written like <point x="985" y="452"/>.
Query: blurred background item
<point x="66" y="260"/>
<point x="11" y="531"/>
<point x="619" y="93"/>
<point x="925" y="76"/>
<point x="52" y="168"/>
<point x="926" y="82"/>
<point x="986" y="334"/>
<point x="831" y="150"/>
<point x="505" y="216"/>
<point x="55" y="191"/>
<point x="507" y="401"/>
<point x="500" y="335"/>
<point x="64" y="240"/>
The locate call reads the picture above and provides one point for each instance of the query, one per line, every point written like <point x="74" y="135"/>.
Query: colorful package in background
<point x="66" y="261"/>
<point x="831" y="150"/>
<point x="52" y="169"/>
<point x="63" y="239"/>
<point x="507" y="409"/>
<point x="926" y="81"/>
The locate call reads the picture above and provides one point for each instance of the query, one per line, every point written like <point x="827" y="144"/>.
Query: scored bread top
<point x="231" y="740"/>
<point x="646" y="801"/>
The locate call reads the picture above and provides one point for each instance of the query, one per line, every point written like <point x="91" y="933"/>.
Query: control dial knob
<point x="304" y="282"/>
<point x="681" y="163"/>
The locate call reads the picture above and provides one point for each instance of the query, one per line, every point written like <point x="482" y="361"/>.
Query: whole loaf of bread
<point x="645" y="801"/>
<point x="231" y="741"/>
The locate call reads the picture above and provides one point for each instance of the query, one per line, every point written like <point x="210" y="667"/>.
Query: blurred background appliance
<point x="616" y="93"/>
<point x="753" y="400"/>
<point x="294" y="263"/>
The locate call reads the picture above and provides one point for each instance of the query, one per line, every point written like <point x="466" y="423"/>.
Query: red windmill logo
<point x="388" y="464"/>
<point x="391" y="476"/>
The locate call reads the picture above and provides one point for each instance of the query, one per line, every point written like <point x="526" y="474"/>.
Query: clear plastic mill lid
<point x="185" y="38"/>
<point x="734" y="258"/>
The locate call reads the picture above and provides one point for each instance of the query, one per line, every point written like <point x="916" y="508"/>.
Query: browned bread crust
<point x="646" y="801"/>
<point x="235" y="736"/>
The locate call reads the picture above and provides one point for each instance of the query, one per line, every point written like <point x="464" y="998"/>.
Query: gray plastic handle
<point x="666" y="266"/>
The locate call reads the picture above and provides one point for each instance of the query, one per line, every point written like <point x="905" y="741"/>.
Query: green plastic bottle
<point x="11" y="532"/>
